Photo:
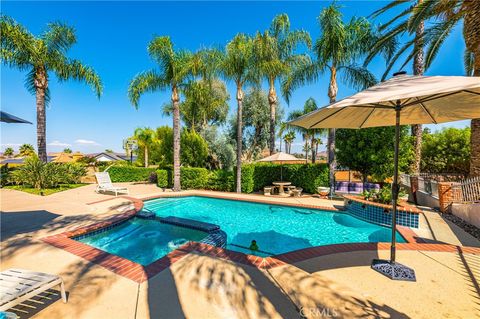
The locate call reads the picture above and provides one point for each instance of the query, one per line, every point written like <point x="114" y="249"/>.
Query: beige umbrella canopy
<point x="399" y="101"/>
<point x="423" y="100"/>
<point x="280" y="157"/>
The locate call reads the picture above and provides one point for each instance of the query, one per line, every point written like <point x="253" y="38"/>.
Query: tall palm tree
<point x="275" y="53"/>
<point x="336" y="50"/>
<point x="396" y="27"/>
<point x="238" y="65"/>
<point x="175" y="70"/>
<point x="144" y="137"/>
<point x="309" y="135"/>
<point x="289" y="138"/>
<point x="443" y="16"/>
<point x="41" y="56"/>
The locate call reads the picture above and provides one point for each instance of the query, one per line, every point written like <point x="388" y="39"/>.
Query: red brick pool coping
<point x="140" y="273"/>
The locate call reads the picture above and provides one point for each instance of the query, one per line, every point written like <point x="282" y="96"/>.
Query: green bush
<point x="194" y="177"/>
<point x="129" y="173"/>
<point x="162" y="178"/>
<point x="308" y="176"/>
<point x="220" y="180"/>
<point x="40" y="175"/>
<point x="4" y="174"/>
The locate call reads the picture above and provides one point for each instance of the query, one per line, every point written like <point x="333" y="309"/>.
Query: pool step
<point x="190" y="223"/>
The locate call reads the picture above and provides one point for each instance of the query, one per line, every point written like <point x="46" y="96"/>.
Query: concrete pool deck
<point x="200" y="285"/>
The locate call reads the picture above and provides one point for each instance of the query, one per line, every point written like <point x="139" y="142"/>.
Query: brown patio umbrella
<point x="401" y="100"/>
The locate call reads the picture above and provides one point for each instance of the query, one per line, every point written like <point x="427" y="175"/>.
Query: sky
<point x="112" y="38"/>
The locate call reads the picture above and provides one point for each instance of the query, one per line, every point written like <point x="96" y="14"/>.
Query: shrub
<point x="4" y="174"/>
<point x="40" y="175"/>
<point x="129" y="173"/>
<point x="74" y="172"/>
<point x="194" y="177"/>
<point x="221" y="180"/>
<point x="307" y="176"/>
<point x="162" y="178"/>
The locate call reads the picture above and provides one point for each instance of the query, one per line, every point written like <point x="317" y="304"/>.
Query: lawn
<point x="46" y="191"/>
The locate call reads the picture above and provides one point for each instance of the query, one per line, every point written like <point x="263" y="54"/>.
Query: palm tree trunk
<point x="176" y="140"/>
<point x="471" y="33"/>
<point x="332" y="164"/>
<point x="239" y="138"/>
<point x="146" y="155"/>
<point x="272" y="100"/>
<point x="312" y="143"/>
<point x="306" y="150"/>
<point x="418" y="69"/>
<point x="41" y="84"/>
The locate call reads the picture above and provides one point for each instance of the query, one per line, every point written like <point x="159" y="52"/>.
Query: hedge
<point x="254" y="177"/>
<point x="162" y="178"/>
<point x="307" y="176"/>
<point x="194" y="177"/>
<point x="129" y="173"/>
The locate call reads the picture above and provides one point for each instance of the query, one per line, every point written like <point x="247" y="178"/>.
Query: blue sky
<point x="112" y="38"/>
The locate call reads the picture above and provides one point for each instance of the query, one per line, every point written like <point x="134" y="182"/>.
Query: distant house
<point x="111" y="157"/>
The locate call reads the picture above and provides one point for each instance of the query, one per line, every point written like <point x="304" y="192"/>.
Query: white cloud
<point x="86" y="142"/>
<point x="59" y="144"/>
<point x="10" y="144"/>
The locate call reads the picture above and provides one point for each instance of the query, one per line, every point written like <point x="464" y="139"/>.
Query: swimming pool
<point x="277" y="229"/>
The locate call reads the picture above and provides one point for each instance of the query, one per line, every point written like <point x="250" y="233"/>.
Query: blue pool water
<point x="142" y="241"/>
<point x="277" y="229"/>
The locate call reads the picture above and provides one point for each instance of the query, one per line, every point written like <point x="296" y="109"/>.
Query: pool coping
<point x="140" y="273"/>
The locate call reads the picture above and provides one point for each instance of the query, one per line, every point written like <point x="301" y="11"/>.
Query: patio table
<point x="281" y="190"/>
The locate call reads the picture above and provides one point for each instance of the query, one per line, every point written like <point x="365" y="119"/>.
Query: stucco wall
<point x="468" y="212"/>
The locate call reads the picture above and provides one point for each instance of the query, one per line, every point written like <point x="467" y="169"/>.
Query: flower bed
<point x="381" y="213"/>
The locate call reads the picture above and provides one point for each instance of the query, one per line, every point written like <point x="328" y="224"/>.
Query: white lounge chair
<point x="105" y="184"/>
<point x="18" y="285"/>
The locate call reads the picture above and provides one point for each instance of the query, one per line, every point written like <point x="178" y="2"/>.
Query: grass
<point x="43" y="192"/>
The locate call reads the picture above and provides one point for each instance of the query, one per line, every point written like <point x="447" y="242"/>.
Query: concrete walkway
<point x="199" y="286"/>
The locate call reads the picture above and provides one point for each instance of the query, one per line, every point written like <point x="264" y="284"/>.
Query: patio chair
<point x="105" y="184"/>
<point x="267" y="190"/>
<point x="290" y="189"/>
<point x="19" y="285"/>
<point x="297" y="192"/>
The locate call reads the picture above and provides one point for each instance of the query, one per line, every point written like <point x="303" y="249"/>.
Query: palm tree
<point x="8" y="152"/>
<point x="144" y="137"/>
<point x="289" y="138"/>
<point x="396" y="27"/>
<point x="40" y="56"/>
<point x="310" y="136"/>
<point x="238" y="66"/>
<point x="175" y="69"/>
<point x="443" y="17"/>
<point x="26" y="150"/>
<point x="336" y="50"/>
<point x="67" y="150"/>
<point x="274" y="50"/>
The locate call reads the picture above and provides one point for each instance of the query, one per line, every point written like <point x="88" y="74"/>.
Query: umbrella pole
<point x="390" y="268"/>
<point x="395" y="186"/>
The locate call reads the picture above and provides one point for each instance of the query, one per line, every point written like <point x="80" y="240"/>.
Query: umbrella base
<point x="394" y="270"/>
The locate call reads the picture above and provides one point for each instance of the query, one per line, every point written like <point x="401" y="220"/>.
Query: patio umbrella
<point x="401" y="100"/>
<point x="281" y="158"/>
<point x="9" y="118"/>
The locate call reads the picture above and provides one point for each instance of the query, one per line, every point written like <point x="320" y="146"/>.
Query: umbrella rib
<point x="472" y="92"/>
<point x="431" y="98"/>
<point x="424" y="107"/>
<point x="343" y="108"/>
<point x="366" y="119"/>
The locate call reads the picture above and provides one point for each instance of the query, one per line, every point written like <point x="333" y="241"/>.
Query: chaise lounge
<point x="105" y="184"/>
<point x="19" y="285"/>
